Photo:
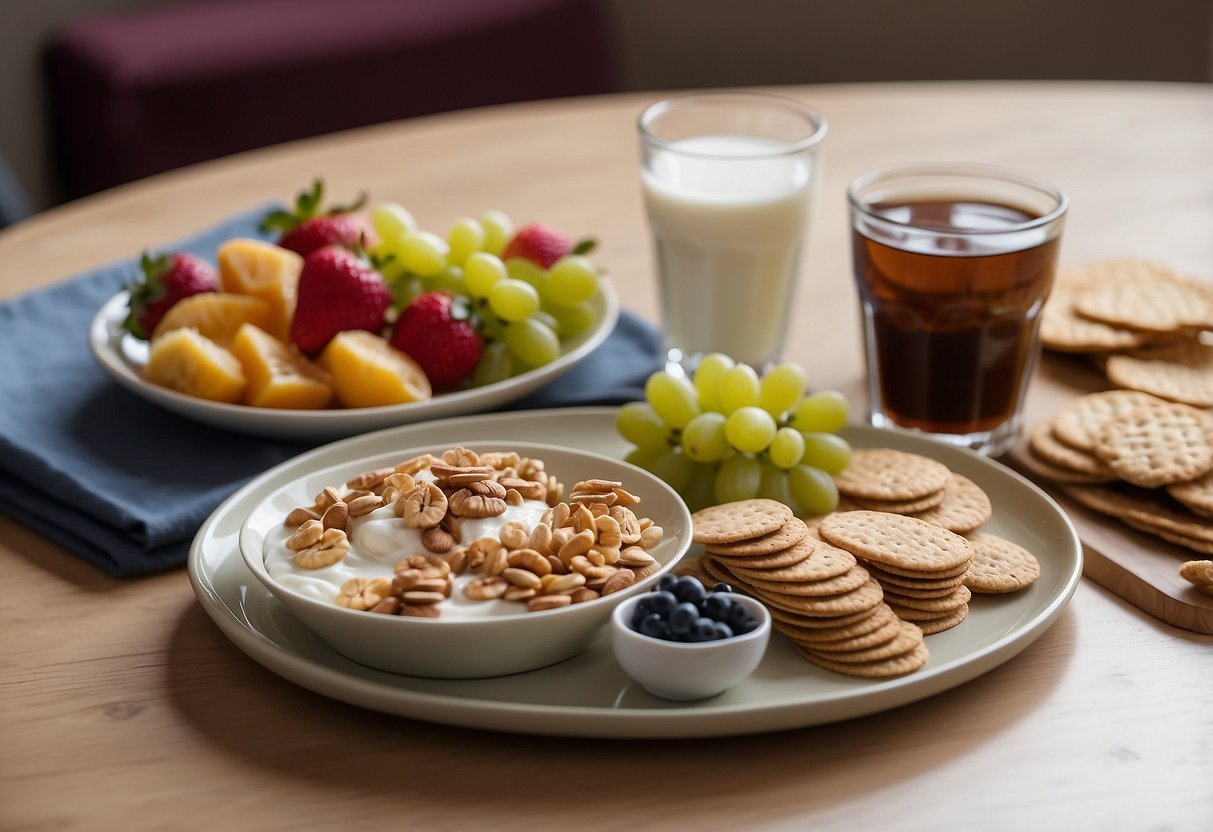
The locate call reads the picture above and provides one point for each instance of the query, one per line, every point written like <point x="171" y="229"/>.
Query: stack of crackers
<point x="1141" y="322"/>
<point x="1143" y="460"/>
<point x="858" y="589"/>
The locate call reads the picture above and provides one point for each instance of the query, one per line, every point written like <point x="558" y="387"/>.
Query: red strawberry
<point x="437" y="331"/>
<point x="166" y="279"/>
<point x="539" y="242"/>
<point x="338" y="289"/>
<point x="307" y="229"/>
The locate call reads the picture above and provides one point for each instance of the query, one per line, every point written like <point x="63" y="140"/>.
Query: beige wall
<point x="665" y="44"/>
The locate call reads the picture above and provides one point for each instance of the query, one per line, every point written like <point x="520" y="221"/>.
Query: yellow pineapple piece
<point x="367" y="371"/>
<point x="217" y="315"/>
<point x="266" y="271"/>
<point x="278" y="374"/>
<point x="190" y="363"/>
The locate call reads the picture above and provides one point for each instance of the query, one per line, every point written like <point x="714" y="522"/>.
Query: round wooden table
<point x="122" y="706"/>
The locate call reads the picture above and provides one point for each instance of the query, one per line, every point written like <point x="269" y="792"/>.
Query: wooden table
<point x="123" y="707"/>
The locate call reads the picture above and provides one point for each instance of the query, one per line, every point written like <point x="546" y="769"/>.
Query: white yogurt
<point x="727" y="236"/>
<point x="378" y="541"/>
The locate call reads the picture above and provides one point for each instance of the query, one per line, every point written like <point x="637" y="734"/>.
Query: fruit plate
<point x="122" y="356"/>
<point x="589" y="695"/>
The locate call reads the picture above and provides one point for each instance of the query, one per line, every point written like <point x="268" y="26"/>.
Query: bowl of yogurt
<point x="435" y="563"/>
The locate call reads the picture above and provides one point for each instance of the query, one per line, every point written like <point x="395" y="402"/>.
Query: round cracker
<point x="965" y="506"/>
<point x="879" y="669"/>
<point x="1141" y="507"/>
<point x="741" y="520"/>
<point x="1196" y="494"/>
<point x="1062" y="329"/>
<point x="820" y="561"/>
<point x="947" y="622"/>
<point x="888" y="474"/>
<point x="1157" y="444"/>
<point x="825" y="622"/>
<point x="897" y="541"/>
<point x="904" y="506"/>
<point x="907" y="638"/>
<point x="919" y="580"/>
<point x="1045" y="446"/>
<point x="863" y="598"/>
<point x="999" y="565"/>
<point x="879" y="617"/>
<point x="936" y="606"/>
<point x="789" y="534"/>
<point x="1179" y="372"/>
<point x="1152" y="298"/>
<point x="1078" y="423"/>
<point x="882" y="634"/>
<point x="853" y="578"/>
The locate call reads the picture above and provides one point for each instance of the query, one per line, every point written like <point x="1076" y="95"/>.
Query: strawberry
<point x="306" y="228"/>
<point x="539" y="242"/>
<point x="339" y="289"/>
<point x="438" y="332"/>
<point x="165" y="280"/>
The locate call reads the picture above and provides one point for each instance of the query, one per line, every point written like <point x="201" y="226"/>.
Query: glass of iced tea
<point x="953" y="263"/>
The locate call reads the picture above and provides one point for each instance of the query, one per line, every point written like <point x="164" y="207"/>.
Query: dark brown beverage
<point x="952" y="317"/>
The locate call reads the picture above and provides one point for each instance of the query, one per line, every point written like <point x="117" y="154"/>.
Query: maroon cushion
<point x="146" y="92"/>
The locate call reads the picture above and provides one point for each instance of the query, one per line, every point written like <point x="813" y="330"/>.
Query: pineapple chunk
<point x="367" y="371"/>
<point x="217" y="315"/>
<point x="278" y="374"/>
<point x="190" y="363"/>
<point x="264" y="270"/>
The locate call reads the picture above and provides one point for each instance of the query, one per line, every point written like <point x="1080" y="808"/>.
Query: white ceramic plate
<point x="123" y="357"/>
<point x="589" y="695"/>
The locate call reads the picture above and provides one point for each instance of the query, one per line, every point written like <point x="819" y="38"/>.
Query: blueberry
<point x="722" y="587"/>
<point x="704" y="630"/>
<point x="654" y="625"/>
<point x="746" y="626"/>
<point x="717" y="607"/>
<point x="722" y="630"/>
<point x="737" y="616"/>
<point x="683" y="618"/>
<point x="660" y="602"/>
<point x="688" y="589"/>
<point x="667" y="582"/>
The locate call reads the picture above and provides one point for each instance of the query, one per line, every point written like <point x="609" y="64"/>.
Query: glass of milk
<point x="729" y="181"/>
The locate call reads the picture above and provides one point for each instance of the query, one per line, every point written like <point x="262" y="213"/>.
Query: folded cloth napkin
<point x="124" y="484"/>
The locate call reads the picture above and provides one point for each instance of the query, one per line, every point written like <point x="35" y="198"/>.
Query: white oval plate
<point x="589" y="695"/>
<point x="123" y="357"/>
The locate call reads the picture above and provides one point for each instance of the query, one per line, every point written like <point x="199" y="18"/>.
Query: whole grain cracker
<point x="1141" y="506"/>
<point x="947" y="622"/>
<point x="820" y="561"/>
<point x="775" y="560"/>
<point x="999" y="565"/>
<point x="965" y="506"/>
<point x="889" y="474"/>
<point x="879" y="669"/>
<point x="1196" y="494"/>
<point x="908" y="637"/>
<point x="741" y="520"/>
<point x="1078" y="423"/>
<point x="877" y="618"/>
<point x="895" y="592"/>
<point x="882" y="634"/>
<point x="1030" y="463"/>
<point x="1045" y="445"/>
<point x="1062" y="329"/>
<point x="904" y="506"/>
<point x="1205" y="547"/>
<point x="789" y="534"/>
<point x="853" y="578"/>
<point x="953" y="600"/>
<point x="863" y="598"/>
<point x="826" y="622"/>
<point x="1152" y="298"/>
<point x="897" y="541"/>
<point x="917" y="581"/>
<point x="1157" y="444"/>
<point x="1178" y="372"/>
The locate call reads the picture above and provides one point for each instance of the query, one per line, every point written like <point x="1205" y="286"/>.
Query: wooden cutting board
<point x="1140" y="568"/>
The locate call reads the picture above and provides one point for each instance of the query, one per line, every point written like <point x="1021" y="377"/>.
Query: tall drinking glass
<point x="729" y="181"/>
<point x="953" y="263"/>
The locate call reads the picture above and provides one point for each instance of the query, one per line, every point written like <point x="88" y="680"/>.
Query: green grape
<point x="750" y="429"/>
<point x="422" y="253"/>
<point x="737" y="478"/>
<point x="481" y="272"/>
<point x="494" y="365"/>
<point x="531" y="342"/>
<point x="774" y="485"/>
<point x="787" y="448"/>
<point x="643" y="457"/>
<point x="572" y="280"/>
<point x="704" y="439"/>
<point x="823" y="412"/>
<point x="572" y="321"/>
<point x="405" y="289"/>
<point x="548" y="320"/>
<point x="513" y="300"/>
<point x="492" y="328"/>
<point x="450" y="279"/>
<point x="498" y="230"/>
<point x="700" y="489"/>
<point x="827" y="451"/>
<point x="527" y="271"/>
<point x="813" y="488"/>
<point x="708" y="378"/>
<point x="638" y="423"/>
<point x="672" y="397"/>
<point x="675" y="469"/>
<point x="391" y="222"/>
<point x="465" y="239"/>
<point x="738" y="388"/>
<point x="781" y="388"/>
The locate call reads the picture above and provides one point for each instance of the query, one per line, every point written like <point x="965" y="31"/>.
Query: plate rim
<point x="695" y="720"/>
<point x="333" y="423"/>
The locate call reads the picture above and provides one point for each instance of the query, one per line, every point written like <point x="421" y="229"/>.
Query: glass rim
<point x="815" y="120"/>
<point x="966" y="169"/>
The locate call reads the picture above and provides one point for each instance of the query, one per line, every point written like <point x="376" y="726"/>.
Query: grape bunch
<point x="529" y="289"/>
<point x="727" y="434"/>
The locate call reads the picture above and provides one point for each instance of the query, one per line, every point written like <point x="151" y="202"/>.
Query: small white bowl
<point x="471" y="640"/>
<point x="688" y="670"/>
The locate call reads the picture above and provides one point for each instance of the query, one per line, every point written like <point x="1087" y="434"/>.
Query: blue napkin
<point x="124" y="484"/>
